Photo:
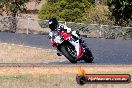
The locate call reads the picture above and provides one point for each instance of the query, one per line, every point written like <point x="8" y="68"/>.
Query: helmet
<point x="53" y="23"/>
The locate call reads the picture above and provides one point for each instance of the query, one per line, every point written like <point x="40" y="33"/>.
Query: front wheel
<point x="67" y="54"/>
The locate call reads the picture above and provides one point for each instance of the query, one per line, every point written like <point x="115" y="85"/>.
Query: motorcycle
<point x="65" y="44"/>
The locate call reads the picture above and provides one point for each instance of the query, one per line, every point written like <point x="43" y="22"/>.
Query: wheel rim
<point x="71" y="51"/>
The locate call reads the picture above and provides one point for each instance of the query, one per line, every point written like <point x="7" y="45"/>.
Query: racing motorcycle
<point x="65" y="44"/>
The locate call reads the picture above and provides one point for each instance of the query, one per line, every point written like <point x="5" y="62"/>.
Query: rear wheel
<point x="88" y="58"/>
<point x="66" y="52"/>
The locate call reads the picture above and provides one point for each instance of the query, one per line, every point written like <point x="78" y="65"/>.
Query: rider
<point x="55" y="28"/>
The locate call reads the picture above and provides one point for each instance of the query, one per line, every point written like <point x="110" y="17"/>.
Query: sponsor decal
<point x="83" y="78"/>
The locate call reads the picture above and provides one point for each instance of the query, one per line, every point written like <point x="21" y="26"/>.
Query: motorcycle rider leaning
<point x="57" y="29"/>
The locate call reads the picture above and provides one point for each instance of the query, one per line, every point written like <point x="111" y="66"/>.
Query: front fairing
<point x="67" y="38"/>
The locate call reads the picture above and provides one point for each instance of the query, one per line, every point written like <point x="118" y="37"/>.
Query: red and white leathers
<point x="66" y="30"/>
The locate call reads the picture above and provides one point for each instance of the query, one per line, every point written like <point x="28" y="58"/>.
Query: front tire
<point x="65" y="52"/>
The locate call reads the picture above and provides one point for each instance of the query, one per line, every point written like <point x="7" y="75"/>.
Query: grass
<point x="50" y="81"/>
<point x="20" y="54"/>
<point x="57" y="77"/>
<point x="48" y="77"/>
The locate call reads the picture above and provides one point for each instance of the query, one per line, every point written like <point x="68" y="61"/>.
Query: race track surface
<point x="105" y="51"/>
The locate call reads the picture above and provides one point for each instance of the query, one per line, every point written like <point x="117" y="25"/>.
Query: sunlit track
<point x="105" y="51"/>
<point x="55" y="65"/>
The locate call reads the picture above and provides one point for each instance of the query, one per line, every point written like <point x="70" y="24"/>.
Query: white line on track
<point x="47" y="50"/>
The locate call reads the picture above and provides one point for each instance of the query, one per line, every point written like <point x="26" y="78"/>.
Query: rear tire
<point x="88" y="58"/>
<point x="65" y="52"/>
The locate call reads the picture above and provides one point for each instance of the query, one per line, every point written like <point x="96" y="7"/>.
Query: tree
<point x="68" y="10"/>
<point x="99" y="14"/>
<point x="12" y="8"/>
<point x="121" y="11"/>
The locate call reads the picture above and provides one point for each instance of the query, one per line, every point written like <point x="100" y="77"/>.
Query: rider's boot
<point x="59" y="53"/>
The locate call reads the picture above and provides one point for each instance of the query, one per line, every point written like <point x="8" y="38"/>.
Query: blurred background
<point x="109" y="19"/>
